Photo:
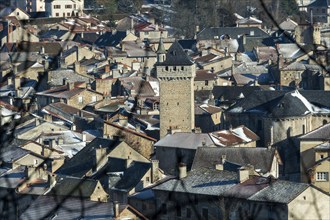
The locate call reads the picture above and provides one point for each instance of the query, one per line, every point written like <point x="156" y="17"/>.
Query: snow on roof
<point x="311" y="108"/>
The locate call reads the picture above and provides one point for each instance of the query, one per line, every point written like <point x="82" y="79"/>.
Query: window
<point x="68" y="14"/>
<point x="322" y="176"/>
<point x="74" y="6"/>
<point x="205" y="213"/>
<point x="57" y="14"/>
<point x="80" y="99"/>
<point x="68" y="6"/>
<point x="147" y="179"/>
<point x="146" y="33"/>
<point x="57" y="6"/>
<point x="188" y="213"/>
<point x="321" y="156"/>
<point x="17" y="13"/>
<point x="178" y="211"/>
<point x="206" y="82"/>
<point x="164" y="209"/>
<point x="195" y="199"/>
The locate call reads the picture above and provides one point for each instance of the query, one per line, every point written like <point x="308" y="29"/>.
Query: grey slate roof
<point x="280" y="192"/>
<point x="185" y="140"/>
<point x="56" y="77"/>
<point x="280" y="104"/>
<point x="233" y="32"/>
<point x="46" y="207"/>
<point x="321" y="133"/>
<point x="110" y="39"/>
<point x="260" y="158"/>
<point x="85" y="159"/>
<point x="320" y="3"/>
<point x="72" y="186"/>
<point x="176" y="56"/>
<point x="202" y="181"/>
<point x="132" y="175"/>
<point x="11" y="154"/>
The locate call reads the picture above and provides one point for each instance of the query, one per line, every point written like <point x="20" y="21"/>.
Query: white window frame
<point x="322" y="176"/>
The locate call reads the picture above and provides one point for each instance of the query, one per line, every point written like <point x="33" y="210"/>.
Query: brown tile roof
<point x="202" y="75"/>
<point x="234" y="136"/>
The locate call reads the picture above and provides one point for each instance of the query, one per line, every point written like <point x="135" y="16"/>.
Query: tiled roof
<point x="72" y="186"/>
<point x="110" y="39"/>
<point x="233" y="32"/>
<point x="176" y="56"/>
<point x="321" y="133"/>
<point x="202" y="75"/>
<point x="201" y="181"/>
<point x="46" y="207"/>
<point x="132" y="175"/>
<point x="279" y="104"/>
<point x="230" y="93"/>
<point x="235" y="136"/>
<point x="56" y="77"/>
<point x="279" y="191"/>
<point x="249" y="187"/>
<point x="260" y="158"/>
<point x="85" y="160"/>
<point x="320" y="3"/>
<point x="185" y="140"/>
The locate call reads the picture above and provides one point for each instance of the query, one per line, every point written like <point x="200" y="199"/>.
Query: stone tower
<point x="175" y="72"/>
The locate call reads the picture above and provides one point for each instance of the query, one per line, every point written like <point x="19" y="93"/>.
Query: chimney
<point x="51" y="180"/>
<point x="107" y="68"/>
<point x="65" y="81"/>
<point x="244" y="39"/>
<point x="243" y="174"/>
<point x="223" y="159"/>
<point x="17" y="82"/>
<point x="128" y="162"/>
<point x="70" y="85"/>
<point x="37" y="121"/>
<point x="116" y="209"/>
<point x="138" y="128"/>
<point x="52" y="143"/>
<point x="60" y="141"/>
<point x="101" y="157"/>
<point x="42" y="50"/>
<point x="9" y="81"/>
<point x="219" y="166"/>
<point x="84" y="138"/>
<point x="154" y="170"/>
<point x="46" y="64"/>
<point x="11" y="100"/>
<point x="182" y="170"/>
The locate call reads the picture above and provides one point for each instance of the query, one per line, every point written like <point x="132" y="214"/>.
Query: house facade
<point x="64" y="8"/>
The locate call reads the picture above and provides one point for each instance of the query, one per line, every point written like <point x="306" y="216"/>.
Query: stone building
<point x="314" y="157"/>
<point x="176" y="72"/>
